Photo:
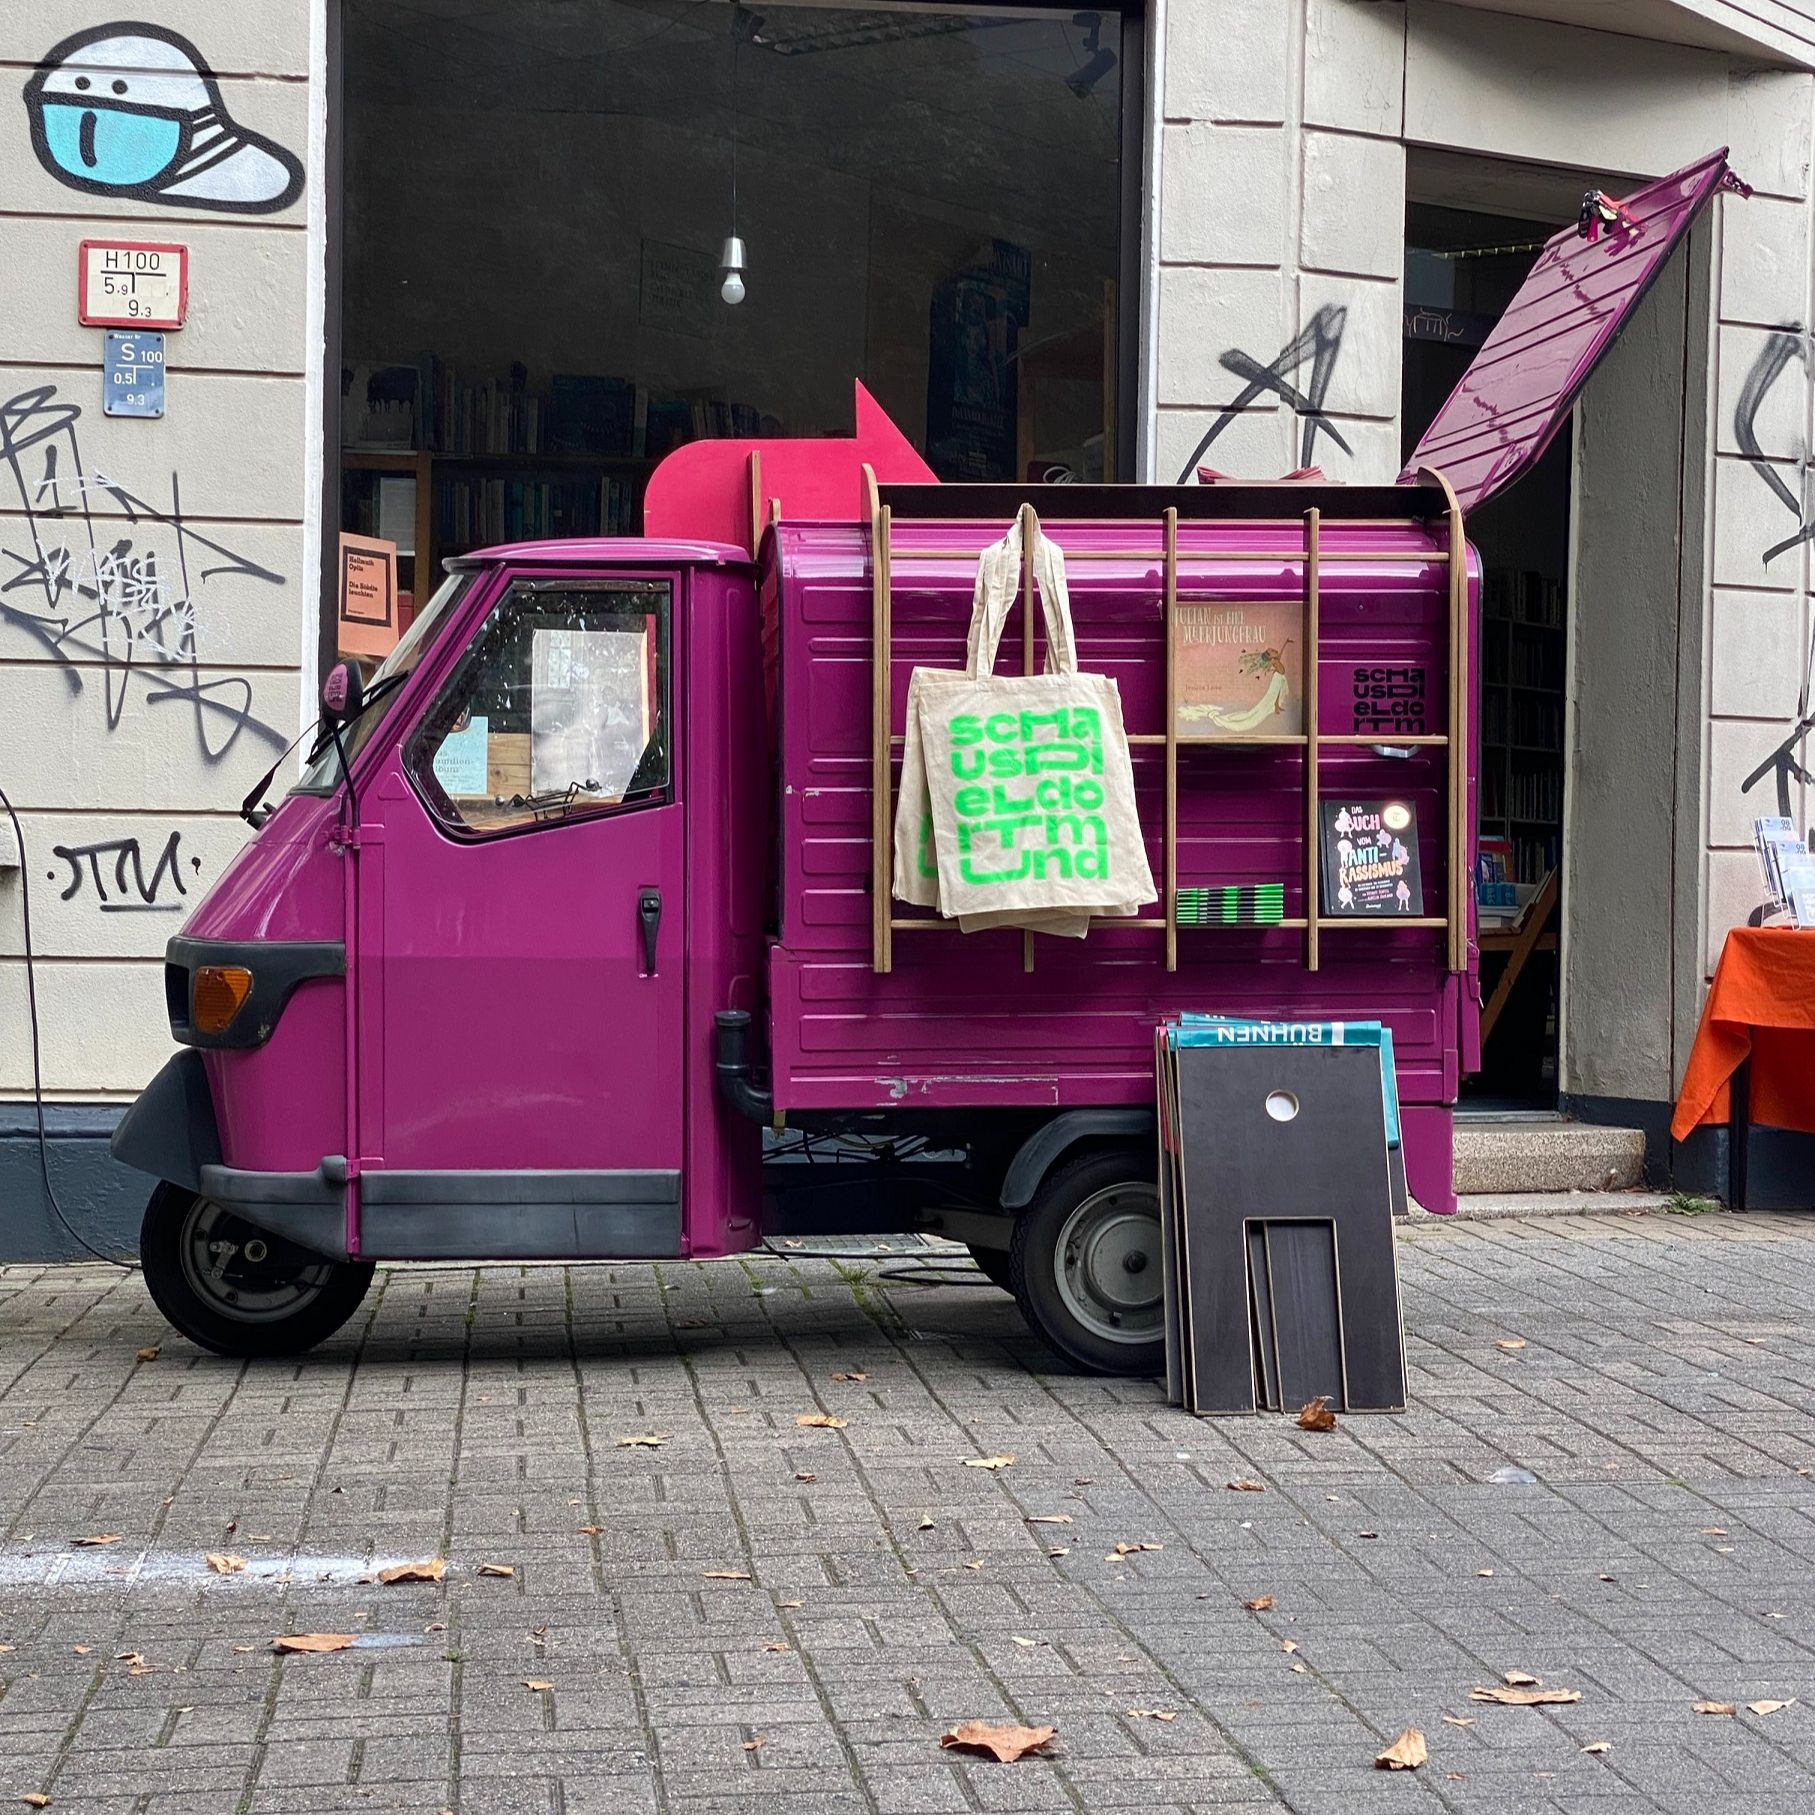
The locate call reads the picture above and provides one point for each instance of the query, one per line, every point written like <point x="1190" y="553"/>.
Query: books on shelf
<point x="430" y="406"/>
<point x="472" y="512"/>
<point x="1525" y="598"/>
<point x="1238" y="667"/>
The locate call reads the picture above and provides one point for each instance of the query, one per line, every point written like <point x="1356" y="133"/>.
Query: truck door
<point x="518" y="970"/>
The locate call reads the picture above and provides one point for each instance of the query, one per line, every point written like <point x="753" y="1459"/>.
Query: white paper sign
<point x="132" y="284"/>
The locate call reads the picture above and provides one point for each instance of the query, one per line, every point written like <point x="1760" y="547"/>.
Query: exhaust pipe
<point x="732" y="1058"/>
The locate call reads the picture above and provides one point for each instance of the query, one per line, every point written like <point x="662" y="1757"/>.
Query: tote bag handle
<point x="998" y="584"/>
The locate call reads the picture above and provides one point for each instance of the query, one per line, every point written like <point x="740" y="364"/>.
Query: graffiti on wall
<point x="1780" y="351"/>
<point x="112" y="872"/>
<point x="1317" y="346"/>
<point x="132" y="110"/>
<point x="120" y="592"/>
<point x="1775" y="357"/>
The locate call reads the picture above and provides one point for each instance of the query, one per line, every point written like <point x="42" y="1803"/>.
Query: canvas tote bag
<point x="916" y="862"/>
<point x="1031" y="788"/>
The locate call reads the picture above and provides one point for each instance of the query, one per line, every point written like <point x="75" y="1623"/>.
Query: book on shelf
<point x="1370" y="858"/>
<point x="588" y="414"/>
<point x="1238" y="667"/>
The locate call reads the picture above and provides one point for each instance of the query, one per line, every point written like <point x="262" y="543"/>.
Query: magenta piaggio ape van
<point x="574" y="939"/>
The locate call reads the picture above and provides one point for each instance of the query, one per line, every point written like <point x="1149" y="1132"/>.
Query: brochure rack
<point x="1150" y="517"/>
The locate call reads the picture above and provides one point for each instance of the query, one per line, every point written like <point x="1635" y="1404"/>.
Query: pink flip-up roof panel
<point x="1583" y="289"/>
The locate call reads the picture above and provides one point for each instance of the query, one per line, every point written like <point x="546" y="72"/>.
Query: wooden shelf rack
<point x="1301" y="544"/>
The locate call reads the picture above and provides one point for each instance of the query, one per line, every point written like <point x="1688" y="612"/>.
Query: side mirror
<point x="342" y="693"/>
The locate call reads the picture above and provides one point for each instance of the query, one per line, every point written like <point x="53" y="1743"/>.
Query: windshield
<point x="322" y="770"/>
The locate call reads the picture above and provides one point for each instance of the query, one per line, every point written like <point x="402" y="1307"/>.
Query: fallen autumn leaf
<point x="312" y="1641"/>
<point x="1317" y="1416"/>
<point x="222" y="1563"/>
<point x="36" y="1799"/>
<point x="1259" y="1604"/>
<point x="1520" y="1679"/>
<point x="754" y="1745"/>
<point x="1715" y="1708"/>
<point x="1510" y="1342"/>
<point x="430" y="1569"/>
<point x="149" y="1353"/>
<point x="851" y="1374"/>
<point x="1525" y="1698"/>
<point x="653" y="1440"/>
<point x="1597" y="1745"/>
<point x="1005" y="1743"/>
<point x="1458" y="1720"/>
<point x="497" y="1569"/>
<point x="536" y="1684"/>
<point x="1763" y="1708"/>
<point x="986" y="1462"/>
<point x="1246" y="1487"/>
<point x="1165" y="1714"/>
<point x="1406" y="1753"/>
<point x="1047" y="1519"/>
<point x="726" y="1575"/>
<point x="101" y="1537"/>
<point x="820" y="1421"/>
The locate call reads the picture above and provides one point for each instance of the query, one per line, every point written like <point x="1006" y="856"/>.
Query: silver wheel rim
<point x="1107" y="1262"/>
<point x="241" y="1272"/>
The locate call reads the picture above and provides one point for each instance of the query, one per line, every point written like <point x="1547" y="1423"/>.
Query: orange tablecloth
<point x="1762" y="1007"/>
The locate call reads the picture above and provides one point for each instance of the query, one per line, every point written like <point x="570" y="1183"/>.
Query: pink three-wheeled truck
<point x="575" y="938"/>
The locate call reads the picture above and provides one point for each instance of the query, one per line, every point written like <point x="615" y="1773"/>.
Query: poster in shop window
<point x="589" y="717"/>
<point x="1370" y="859"/>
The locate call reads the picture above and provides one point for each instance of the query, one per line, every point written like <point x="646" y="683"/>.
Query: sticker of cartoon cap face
<point x="132" y="110"/>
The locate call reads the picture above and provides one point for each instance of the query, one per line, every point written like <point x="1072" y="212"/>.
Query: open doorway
<point x="1462" y="268"/>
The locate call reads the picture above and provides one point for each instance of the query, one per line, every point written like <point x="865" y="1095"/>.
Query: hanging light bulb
<point x="731" y="263"/>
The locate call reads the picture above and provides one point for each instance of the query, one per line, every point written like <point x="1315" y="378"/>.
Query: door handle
<point x="649" y="918"/>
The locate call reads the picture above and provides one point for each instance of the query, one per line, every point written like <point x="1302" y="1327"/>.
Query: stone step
<point x="1532" y="1154"/>
<point x="1483" y="1204"/>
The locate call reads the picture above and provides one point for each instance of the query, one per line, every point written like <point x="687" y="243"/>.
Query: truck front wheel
<point x="236" y="1289"/>
<point x="1085" y="1265"/>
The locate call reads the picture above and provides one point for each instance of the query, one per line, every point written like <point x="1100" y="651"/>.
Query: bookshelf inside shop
<point x="1523" y="647"/>
<point x="441" y="463"/>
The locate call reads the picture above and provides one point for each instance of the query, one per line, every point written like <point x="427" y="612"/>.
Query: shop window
<point x="559" y="710"/>
<point x="534" y="211"/>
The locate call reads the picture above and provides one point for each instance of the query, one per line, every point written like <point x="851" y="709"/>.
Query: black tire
<point x="238" y="1290"/>
<point x="1085" y="1268"/>
<point x="992" y="1263"/>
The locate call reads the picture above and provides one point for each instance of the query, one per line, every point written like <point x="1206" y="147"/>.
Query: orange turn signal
<point x="220" y="993"/>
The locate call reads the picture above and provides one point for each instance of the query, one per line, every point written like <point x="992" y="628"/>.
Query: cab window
<point x="559" y="710"/>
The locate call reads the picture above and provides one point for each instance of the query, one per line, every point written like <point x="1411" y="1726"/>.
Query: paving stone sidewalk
<point x="753" y="1615"/>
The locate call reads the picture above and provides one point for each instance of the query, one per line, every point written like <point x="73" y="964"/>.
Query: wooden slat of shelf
<point x="881" y="849"/>
<point x="1156" y="556"/>
<point x="1430" y="740"/>
<point x="1380" y="920"/>
<point x="1313" y="830"/>
<point x="1029" y="529"/>
<point x="1170" y="737"/>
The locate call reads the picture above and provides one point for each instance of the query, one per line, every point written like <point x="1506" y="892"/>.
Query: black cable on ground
<point x="31" y="1005"/>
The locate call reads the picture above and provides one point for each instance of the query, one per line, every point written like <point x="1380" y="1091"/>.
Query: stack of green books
<point x="1233" y="904"/>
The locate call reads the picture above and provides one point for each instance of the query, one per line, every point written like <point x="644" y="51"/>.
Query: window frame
<point x="663" y="586"/>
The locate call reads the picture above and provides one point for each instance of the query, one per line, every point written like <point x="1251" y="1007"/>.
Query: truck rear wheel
<point x="1085" y="1266"/>
<point x="239" y="1290"/>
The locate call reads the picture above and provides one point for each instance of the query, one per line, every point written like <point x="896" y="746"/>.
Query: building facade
<point x="450" y="281"/>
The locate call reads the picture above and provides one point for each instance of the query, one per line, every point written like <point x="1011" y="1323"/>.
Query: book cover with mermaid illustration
<point x="1237" y="668"/>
